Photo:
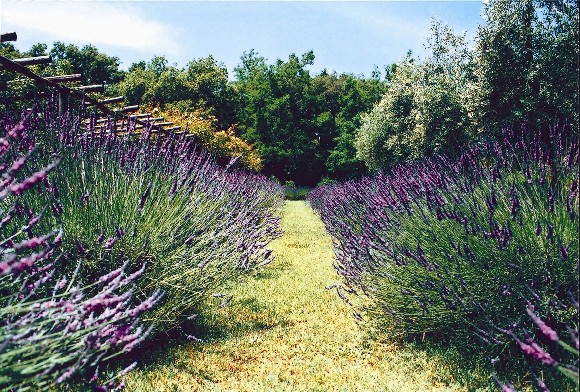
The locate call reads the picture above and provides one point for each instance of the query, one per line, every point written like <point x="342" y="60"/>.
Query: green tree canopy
<point x="424" y="109"/>
<point x="94" y="66"/>
<point x="202" y="84"/>
<point x="302" y="124"/>
<point x="527" y="62"/>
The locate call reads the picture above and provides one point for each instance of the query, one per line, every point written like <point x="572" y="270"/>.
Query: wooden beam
<point x="101" y="124"/>
<point x="126" y="109"/>
<point x="157" y="130"/>
<point x="176" y="128"/>
<point x="98" y="121"/>
<point x="113" y="100"/>
<point x="65" y="78"/>
<point x="32" y="61"/>
<point x="104" y="120"/>
<point x="163" y="124"/>
<point x="140" y="115"/>
<point x="11" y="65"/>
<point x="5" y="37"/>
<point x="93" y="88"/>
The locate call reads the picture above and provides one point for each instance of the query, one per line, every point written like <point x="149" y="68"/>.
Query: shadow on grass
<point x="468" y="367"/>
<point x="459" y="361"/>
<point x="243" y="315"/>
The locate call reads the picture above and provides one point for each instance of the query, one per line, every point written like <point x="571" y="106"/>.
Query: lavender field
<point x="479" y="252"/>
<point x="311" y="196"/>
<point x="109" y="240"/>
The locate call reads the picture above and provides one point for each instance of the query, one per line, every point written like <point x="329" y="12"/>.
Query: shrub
<point x="223" y="144"/>
<point x="452" y="249"/>
<point x="160" y="201"/>
<point x="425" y="109"/>
<point x="53" y="325"/>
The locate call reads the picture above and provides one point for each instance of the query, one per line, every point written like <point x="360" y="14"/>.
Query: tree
<point x="208" y="87"/>
<point x="386" y="135"/>
<point x="424" y="109"/>
<point x="527" y="62"/>
<point x="355" y="97"/>
<point x="94" y="66"/>
<point x="202" y="85"/>
<point x="8" y="89"/>
<point x="441" y="103"/>
<point x="277" y="111"/>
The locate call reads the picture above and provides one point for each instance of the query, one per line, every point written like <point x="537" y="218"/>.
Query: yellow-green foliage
<point x="223" y="143"/>
<point x="284" y="331"/>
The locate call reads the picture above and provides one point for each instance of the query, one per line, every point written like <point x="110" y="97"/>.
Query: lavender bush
<point x="53" y="327"/>
<point x="162" y="202"/>
<point x="453" y="249"/>
<point x="545" y="346"/>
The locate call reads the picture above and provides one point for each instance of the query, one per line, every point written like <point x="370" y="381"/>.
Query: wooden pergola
<point x="56" y="83"/>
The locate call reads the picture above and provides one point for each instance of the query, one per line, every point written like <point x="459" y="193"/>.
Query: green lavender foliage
<point x="449" y="248"/>
<point x="164" y="203"/>
<point x="54" y="326"/>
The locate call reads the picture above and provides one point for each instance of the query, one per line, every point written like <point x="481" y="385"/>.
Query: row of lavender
<point x="481" y="250"/>
<point x="108" y="239"/>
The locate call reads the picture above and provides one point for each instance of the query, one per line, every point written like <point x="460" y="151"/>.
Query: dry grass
<point x="284" y="331"/>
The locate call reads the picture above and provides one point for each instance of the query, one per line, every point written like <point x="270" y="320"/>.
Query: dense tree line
<point x="308" y="127"/>
<point x="302" y="125"/>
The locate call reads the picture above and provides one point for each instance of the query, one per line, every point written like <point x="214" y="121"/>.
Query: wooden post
<point x="62" y="102"/>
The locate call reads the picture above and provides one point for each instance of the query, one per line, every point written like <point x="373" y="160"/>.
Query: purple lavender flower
<point x="110" y="242"/>
<point x="144" y="196"/>
<point x="85" y="199"/>
<point x="544" y="328"/>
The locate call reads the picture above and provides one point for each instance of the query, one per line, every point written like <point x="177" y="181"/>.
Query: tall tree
<point x="202" y="85"/>
<point x="356" y="96"/>
<point x="278" y="112"/>
<point x="208" y="87"/>
<point x="528" y="62"/>
<point x="424" y="109"/>
<point x="94" y="66"/>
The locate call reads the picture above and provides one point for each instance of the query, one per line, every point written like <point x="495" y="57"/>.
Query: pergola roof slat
<point x="64" y="78"/>
<point x="113" y="100"/>
<point x="5" y="37"/>
<point x="23" y="70"/>
<point x="32" y="61"/>
<point x="93" y="88"/>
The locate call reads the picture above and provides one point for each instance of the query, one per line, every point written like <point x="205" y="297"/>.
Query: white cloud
<point x="98" y="23"/>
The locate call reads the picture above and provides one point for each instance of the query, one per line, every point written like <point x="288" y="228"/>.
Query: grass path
<point x="284" y="331"/>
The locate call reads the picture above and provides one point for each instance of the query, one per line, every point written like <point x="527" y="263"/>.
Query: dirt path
<point x="284" y="331"/>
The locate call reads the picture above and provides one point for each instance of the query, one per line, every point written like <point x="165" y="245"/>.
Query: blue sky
<point x="345" y="36"/>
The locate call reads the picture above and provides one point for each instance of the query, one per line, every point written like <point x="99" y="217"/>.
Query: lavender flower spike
<point x="546" y="330"/>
